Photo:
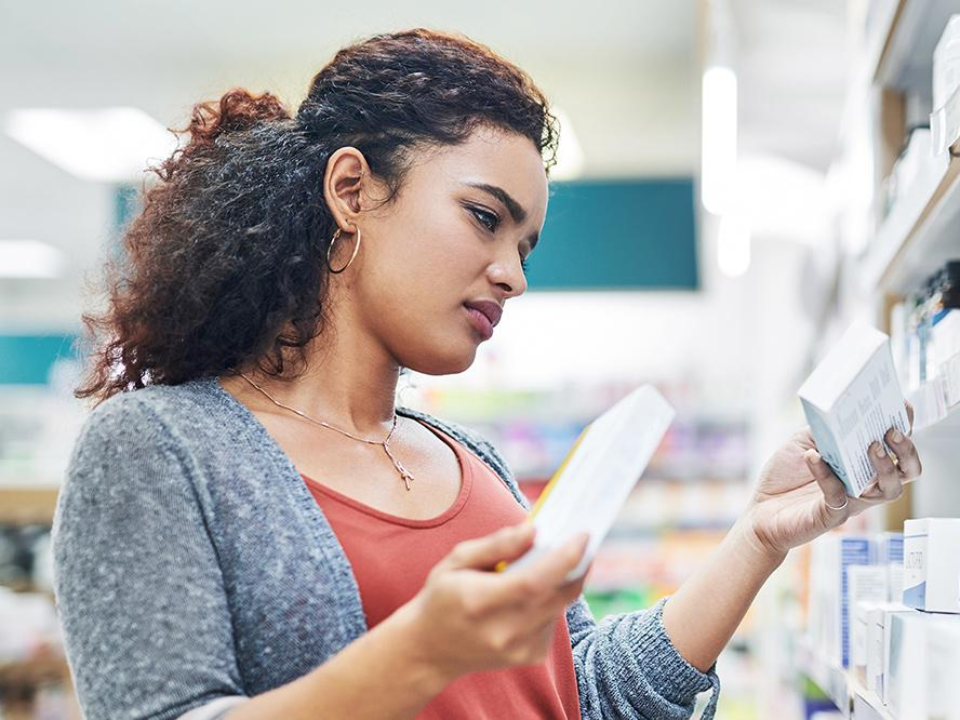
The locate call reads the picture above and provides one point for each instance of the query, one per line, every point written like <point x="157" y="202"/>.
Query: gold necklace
<point x="404" y="473"/>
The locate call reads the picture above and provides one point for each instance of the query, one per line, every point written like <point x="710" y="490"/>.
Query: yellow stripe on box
<point x="502" y="565"/>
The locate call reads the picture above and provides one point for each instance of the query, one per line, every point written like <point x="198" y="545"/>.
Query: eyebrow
<point x="513" y="207"/>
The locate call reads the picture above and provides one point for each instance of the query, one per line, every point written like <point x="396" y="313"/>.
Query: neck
<point x="349" y="381"/>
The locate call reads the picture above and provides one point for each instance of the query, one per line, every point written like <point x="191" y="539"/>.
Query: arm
<point x="797" y="499"/>
<point x="144" y="611"/>
<point x="375" y="677"/>
<point x="627" y="667"/>
<point x="732" y="577"/>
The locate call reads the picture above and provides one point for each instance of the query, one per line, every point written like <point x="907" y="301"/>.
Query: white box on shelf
<point x="890" y="555"/>
<point x="878" y="642"/>
<point x="943" y="664"/>
<point x="859" y="643"/>
<point x="866" y="586"/>
<point x="905" y="674"/>
<point x="931" y="564"/>
<point x="946" y="63"/>
<point x="851" y="399"/>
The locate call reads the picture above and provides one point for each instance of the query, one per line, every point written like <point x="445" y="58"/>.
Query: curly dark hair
<point x="225" y="265"/>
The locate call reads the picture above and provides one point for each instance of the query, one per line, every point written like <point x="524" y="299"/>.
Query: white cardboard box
<point x="851" y="399"/>
<point x="943" y="664"/>
<point x="905" y="674"/>
<point x="867" y="586"/>
<point x="589" y="489"/>
<point x="931" y="564"/>
<point x="859" y="644"/>
<point x="946" y="63"/>
<point x="878" y="642"/>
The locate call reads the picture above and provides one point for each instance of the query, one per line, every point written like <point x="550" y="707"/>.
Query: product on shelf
<point x="830" y="611"/>
<point x="867" y="586"/>
<point x="910" y="663"/>
<point x="905" y="675"/>
<point x="878" y="643"/>
<point x="851" y="399"/>
<point x="890" y="555"/>
<point x="943" y="690"/>
<point x="946" y="63"/>
<point x="926" y="338"/>
<point x="590" y="487"/>
<point x="931" y="556"/>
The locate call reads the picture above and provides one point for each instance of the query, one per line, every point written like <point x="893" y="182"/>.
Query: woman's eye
<point x="487" y="219"/>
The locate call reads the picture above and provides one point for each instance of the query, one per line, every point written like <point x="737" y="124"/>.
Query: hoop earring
<point x="333" y="241"/>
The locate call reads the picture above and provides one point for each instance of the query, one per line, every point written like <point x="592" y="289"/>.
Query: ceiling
<point x="627" y="74"/>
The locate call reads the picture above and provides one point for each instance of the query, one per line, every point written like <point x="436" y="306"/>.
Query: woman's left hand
<point x="791" y="504"/>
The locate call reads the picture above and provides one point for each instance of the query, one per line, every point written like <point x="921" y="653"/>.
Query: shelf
<point x="843" y="687"/>
<point x="919" y="235"/>
<point x="902" y="53"/>
<point x="22" y="505"/>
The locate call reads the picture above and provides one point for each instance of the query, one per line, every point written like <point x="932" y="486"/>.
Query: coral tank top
<point x="391" y="558"/>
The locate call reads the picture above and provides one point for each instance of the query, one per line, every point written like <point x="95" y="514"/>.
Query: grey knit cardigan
<point x="192" y="564"/>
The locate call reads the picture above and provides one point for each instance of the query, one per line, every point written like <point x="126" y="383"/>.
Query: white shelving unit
<point x="922" y="230"/>
<point x="843" y="687"/>
<point x="917" y="236"/>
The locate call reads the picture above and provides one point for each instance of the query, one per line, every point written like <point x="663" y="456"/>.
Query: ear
<point x="346" y="170"/>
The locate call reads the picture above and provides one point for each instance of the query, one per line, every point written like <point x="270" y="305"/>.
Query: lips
<point x="483" y="315"/>
<point x="491" y="310"/>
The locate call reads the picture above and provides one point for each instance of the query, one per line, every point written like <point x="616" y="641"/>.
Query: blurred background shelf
<point x="23" y="504"/>
<point x="920" y="234"/>
<point x="843" y="687"/>
<point x="907" y="31"/>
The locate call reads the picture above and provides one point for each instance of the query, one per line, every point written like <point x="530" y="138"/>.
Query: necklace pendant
<point x="406" y="480"/>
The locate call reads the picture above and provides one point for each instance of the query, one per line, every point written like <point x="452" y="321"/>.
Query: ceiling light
<point x="29" y="259"/>
<point x="719" y="136"/>
<point x="106" y="145"/>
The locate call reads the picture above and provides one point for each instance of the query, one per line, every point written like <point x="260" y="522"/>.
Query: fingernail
<point x="880" y="452"/>
<point x="896" y="436"/>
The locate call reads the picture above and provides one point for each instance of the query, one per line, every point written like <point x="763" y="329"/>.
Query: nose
<point x="507" y="274"/>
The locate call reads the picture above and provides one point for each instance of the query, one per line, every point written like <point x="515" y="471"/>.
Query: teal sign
<point x="618" y="235"/>
<point x="27" y="359"/>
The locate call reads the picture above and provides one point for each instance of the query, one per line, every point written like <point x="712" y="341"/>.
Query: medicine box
<point x="905" y="674"/>
<point x="878" y="643"/>
<point x="867" y="586"/>
<point x="943" y="664"/>
<point x="850" y="400"/>
<point x="946" y="63"/>
<point x="890" y="555"/>
<point x="931" y="564"/>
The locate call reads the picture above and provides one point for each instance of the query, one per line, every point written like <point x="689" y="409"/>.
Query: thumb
<point x="835" y="503"/>
<point x="484" y="553"/>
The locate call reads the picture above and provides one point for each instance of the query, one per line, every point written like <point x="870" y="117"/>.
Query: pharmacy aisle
<point x="752" y="211"/>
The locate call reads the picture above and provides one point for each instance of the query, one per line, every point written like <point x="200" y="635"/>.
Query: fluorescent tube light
<point x="719" y="138"/>
<point x="106" y="145"/>
<point x="29" y="259"/>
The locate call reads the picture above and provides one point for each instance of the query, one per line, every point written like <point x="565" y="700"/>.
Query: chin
<point x="443" y="363"/>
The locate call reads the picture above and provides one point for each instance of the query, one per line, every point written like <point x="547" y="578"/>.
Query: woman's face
<point x="455" y="236"/>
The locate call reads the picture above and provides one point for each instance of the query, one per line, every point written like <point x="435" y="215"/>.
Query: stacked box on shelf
<point x="830" y="603"/>
<point x="932" y="564"/>
<point x="915" y="644"/>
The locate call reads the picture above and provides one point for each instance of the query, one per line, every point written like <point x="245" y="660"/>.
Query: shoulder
<point x="156" y="414"/>
<point x="474" y="442"/>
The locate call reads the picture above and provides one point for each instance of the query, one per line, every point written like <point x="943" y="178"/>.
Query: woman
<point x="250" y="527"/>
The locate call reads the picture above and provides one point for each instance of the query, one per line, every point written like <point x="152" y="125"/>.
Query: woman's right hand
<point x="469" y="618"/>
